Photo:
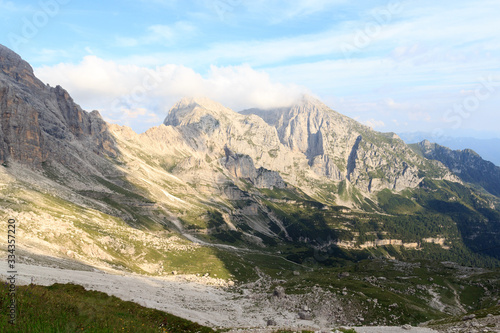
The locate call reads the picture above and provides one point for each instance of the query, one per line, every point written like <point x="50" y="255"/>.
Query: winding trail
<point x="196" y="240"/>
<point x="193" y="239"/>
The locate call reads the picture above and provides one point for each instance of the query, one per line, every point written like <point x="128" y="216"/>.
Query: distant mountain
<point x="466" y="164"/>
<point x="489" y="149"/>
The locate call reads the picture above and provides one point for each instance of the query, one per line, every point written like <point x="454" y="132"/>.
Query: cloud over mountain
<point x="126" y="91"/>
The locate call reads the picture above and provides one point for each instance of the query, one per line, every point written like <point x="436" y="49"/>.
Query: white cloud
<point x="427" y="24"/>
<point x="411" y="34"/>
<point x="373" y="123"/>
<point x="422" y="57"/>
<point x="141" y="97"/>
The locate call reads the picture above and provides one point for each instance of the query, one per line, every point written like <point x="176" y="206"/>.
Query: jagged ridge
<point x="465" y="164"/>
<point x="37" y="120"/>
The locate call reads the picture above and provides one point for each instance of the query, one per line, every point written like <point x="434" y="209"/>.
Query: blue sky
<point x="397" y="66"/>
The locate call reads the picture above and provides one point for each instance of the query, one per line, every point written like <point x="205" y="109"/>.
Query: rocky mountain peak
<point x="203" y="102"/>
<point x="308" y="102"/>
<point x="11" y="60"/>
<point x="193" y="110"/>
<point x="40" y="123"/>
<point x="426" y="147"/>
<point x="15" y="68"/>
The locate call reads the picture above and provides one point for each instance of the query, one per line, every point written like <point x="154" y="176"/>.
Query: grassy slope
<point x="402" y="289"/>
<point x="71" y="308"/>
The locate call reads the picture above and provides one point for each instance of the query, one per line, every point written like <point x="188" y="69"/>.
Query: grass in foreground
<point x="71" y="308"/>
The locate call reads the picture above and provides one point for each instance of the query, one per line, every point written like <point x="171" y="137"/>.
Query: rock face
<point x="338" y="148"/>
<point x="241" y="166"/>
<point x="465" y="164"/>
<point x="301" y="145"/>
<point x="39" y="122"/>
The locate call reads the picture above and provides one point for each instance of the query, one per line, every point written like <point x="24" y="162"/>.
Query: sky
<point x="397" y="66"/>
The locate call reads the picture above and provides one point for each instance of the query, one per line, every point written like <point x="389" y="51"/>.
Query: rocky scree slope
<point x="271" y="189"/>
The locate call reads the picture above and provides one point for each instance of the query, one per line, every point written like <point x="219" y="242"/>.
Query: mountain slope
<point x="216" y="153"/>
<point x="488" y="149"/>
<point x="465" y="164"/>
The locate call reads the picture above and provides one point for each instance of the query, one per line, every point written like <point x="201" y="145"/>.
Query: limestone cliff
<point x="242" y="166"/>
<point x="305" y="143"/>
<point x="337" y="147"/>
<point x="39" y="122"/>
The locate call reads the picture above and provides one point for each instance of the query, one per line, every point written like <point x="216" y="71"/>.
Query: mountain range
<point x="298" y="198"/>
<point x="487" y="148"/>
<point x="300" y="180"/>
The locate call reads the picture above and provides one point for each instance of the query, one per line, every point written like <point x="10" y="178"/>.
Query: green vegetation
<point x="471" y="214"/>
<point x="273" y="152"/>
<point x="427" y="217"/>
<point x="282" y="194"/>
<point x="220" y="230"/>
<point x="49" y="171"/>
<point x="396" y="204"/>
<point x="71" y="308"/>
<point x="378" y="173"/>
<point x="126" y="198"/>
<point x="401" y="289"/>
<point x="131" y="194"/>
<point x="493" y="310"/>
